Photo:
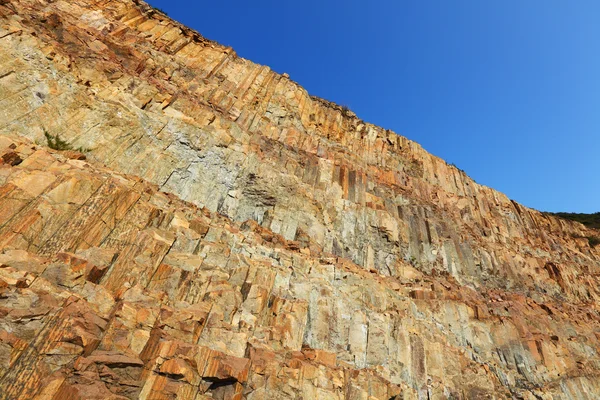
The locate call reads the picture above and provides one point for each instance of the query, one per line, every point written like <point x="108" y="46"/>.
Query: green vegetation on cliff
<point x="589" y="220"/>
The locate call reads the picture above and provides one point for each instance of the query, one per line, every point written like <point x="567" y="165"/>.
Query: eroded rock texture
<point x="228" y="236"/>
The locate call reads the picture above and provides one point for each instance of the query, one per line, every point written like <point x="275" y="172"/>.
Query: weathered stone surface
<point x="300" y="253"/>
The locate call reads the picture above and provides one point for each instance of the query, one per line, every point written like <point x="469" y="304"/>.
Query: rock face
<point x="227" y="236"/>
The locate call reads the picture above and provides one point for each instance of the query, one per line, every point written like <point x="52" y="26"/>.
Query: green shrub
<point x="56" y="143"/>
<point x="593" y="240"/>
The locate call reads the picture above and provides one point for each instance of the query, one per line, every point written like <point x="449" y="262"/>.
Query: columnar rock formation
<point x="228" y="236"/>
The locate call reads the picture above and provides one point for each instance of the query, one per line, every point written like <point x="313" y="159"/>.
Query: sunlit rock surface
<point x="218" y="233"/>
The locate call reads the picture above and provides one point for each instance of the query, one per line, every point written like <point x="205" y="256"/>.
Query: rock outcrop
<point x="221" y="234"/>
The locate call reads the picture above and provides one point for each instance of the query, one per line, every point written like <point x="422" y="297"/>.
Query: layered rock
<point x="301" y="252"/>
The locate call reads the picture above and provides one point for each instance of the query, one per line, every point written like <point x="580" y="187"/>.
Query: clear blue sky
<point x="507" y="90"/>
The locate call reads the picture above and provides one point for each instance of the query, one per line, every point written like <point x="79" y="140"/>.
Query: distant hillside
<point x="589" y="220"/>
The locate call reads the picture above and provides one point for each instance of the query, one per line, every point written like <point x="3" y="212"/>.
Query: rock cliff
<point x="221" y="234"/>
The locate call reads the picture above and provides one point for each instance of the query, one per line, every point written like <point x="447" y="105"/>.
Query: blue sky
<point x="507" y="90"/>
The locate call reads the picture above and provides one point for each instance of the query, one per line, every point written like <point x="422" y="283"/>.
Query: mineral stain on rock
<point x="229" y="236"/>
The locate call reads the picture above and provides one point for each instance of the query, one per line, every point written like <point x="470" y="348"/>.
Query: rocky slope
<point x="229" y="236"/>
